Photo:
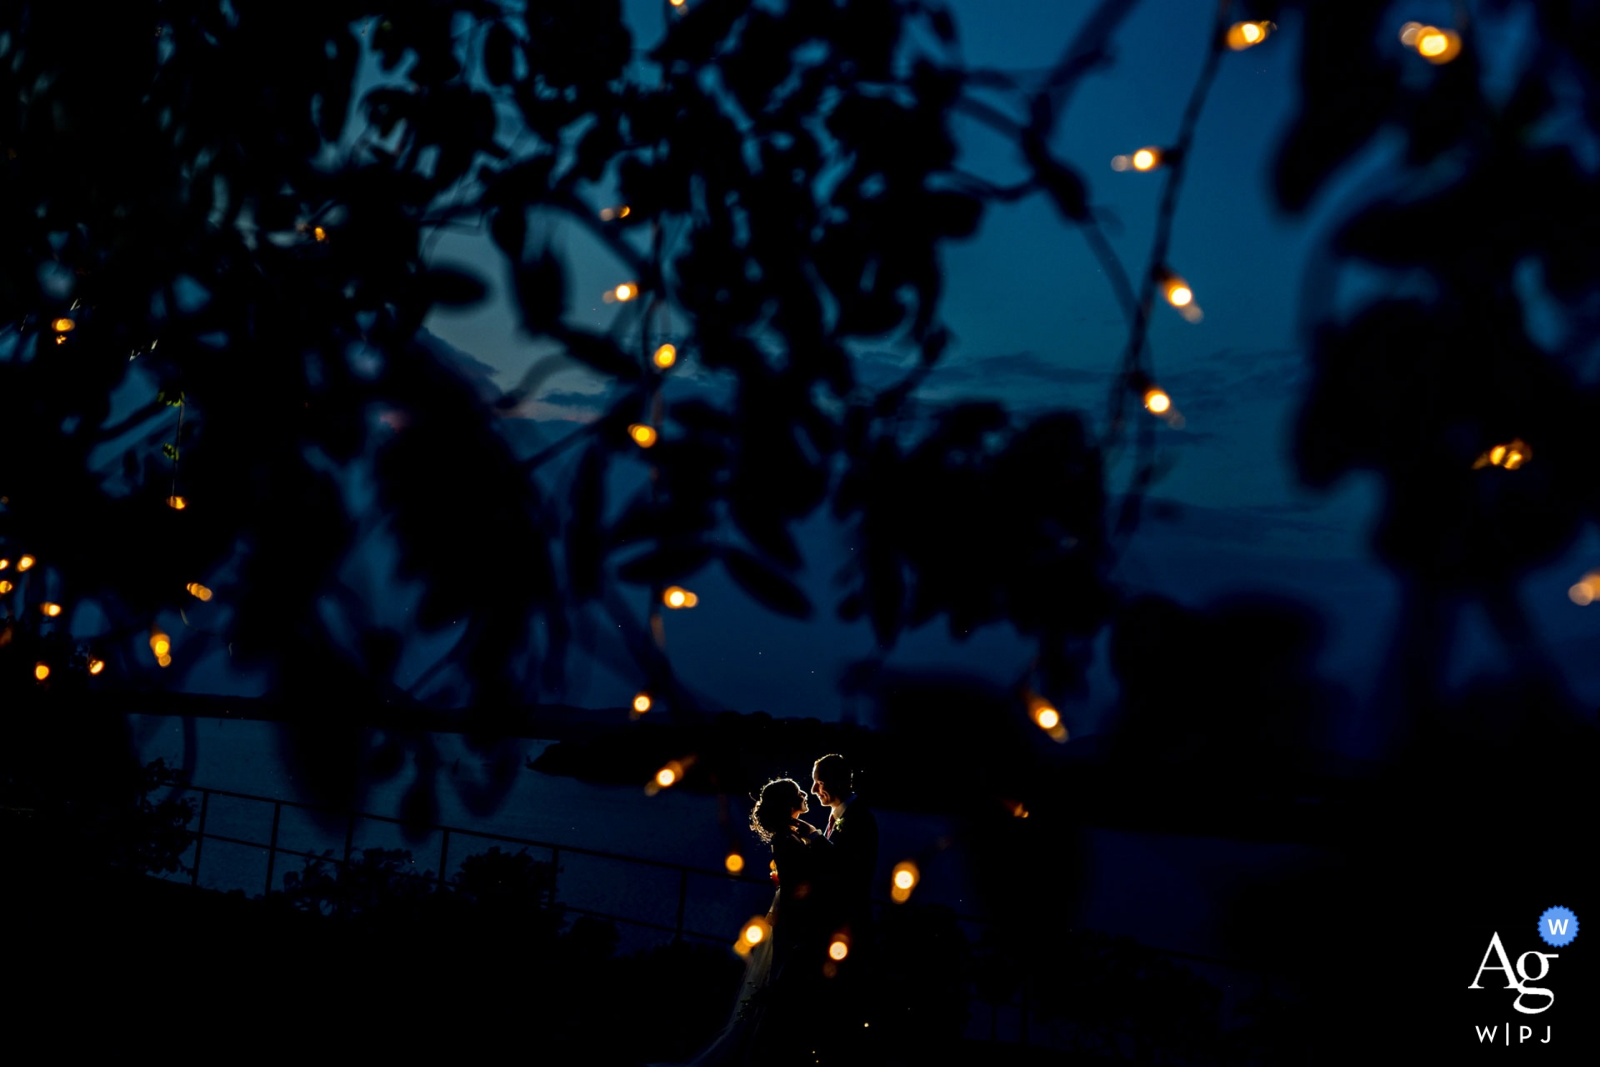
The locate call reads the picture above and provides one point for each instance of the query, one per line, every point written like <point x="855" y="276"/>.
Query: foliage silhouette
<point x="232" y="203"/>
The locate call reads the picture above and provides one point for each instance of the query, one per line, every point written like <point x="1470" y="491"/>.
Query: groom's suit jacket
<point x="854" y="851"/>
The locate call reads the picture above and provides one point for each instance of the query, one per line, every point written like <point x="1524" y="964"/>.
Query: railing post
<point x="683" y="896"/>
<point x="344" y="868"/>
<point x="1023" y="1022"/>
<point x="444" y="858"/>
<point x="349" y="838"/>
<point x="200" y="836"/>
<point x="272" y="845"/>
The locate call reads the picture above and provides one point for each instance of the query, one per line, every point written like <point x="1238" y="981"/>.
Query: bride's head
<point x="781" y="802"/>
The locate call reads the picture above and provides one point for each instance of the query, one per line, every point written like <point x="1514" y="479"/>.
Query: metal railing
<point x="678" y="930"/>
<point x="201" y="835"/>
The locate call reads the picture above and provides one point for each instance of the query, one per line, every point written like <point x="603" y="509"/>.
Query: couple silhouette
<point x="804" y="995"/>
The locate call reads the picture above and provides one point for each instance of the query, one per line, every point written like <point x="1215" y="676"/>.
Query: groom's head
<point x="830" y="778"/>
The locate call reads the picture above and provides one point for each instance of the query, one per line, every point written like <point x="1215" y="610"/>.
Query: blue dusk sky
<point x="1036" y="325"/>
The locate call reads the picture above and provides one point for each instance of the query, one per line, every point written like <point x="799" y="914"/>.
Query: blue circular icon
<point x="1558" y="926"/>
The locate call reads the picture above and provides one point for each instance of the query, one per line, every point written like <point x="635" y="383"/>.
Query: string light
<point x="1145" y="159"/>
<point x="1156" y="401"/>
<point x="1046" y="717"/>
<point x="643" y="436"/>
<point x="4" y="563"/>
<point x="6" y="587"/>
<point x="198" y="591"/>
<point x="177" y="503"/>
<point x="319" y="233"/>
<point x="1180" y="295"/>
<point x="1242" y="35"/>
<point x="41" y="671"/>
<point x="642" y="703"/>
<point x="25" y="562"/>
<point x="734" y="863"/>
<point x="165" y="661"/>
<point x="160" y="644"/>
<point x="675" y="597"/>
<point x="755" y="931"/>
<point x="49" y="609"/>
<point x="1431" y="43"/>
<point x="838" y="949"/>
<point x="63" y="325"/>
<point x="622" y="293"/>
<point x="1587" y="590"/>
<point x="665" y="356"/>
<point x="96" y="666"/>
<point x="1511" y="455"/>
<point x="676" y="3"/>
<point x="609" y="213"/>
<point x="903" y="880"/>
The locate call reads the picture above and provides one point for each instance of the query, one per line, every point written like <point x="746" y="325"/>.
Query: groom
<point x="852" y="831"/>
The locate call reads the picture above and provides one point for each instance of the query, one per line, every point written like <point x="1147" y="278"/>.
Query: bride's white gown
<point x="733" y="1041"/>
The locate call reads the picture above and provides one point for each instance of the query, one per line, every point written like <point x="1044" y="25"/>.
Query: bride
<point x="769" y="1017"/>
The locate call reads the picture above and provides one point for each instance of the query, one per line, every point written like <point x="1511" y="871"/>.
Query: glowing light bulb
<point x="61" y="338"/>
<point x="641" y="703"/>
<point x="1581" y="594"/>
<point x="1179" y="295"/>
<point x="689" y="599"/>
<point x="177" y="503"/>
<point x="734" y="863"/>
<point x="63" y="325"/>
<point x="41" y="671"/>
<point x="25" y="562"/>
<point x="1047" y="717"/>
<point x="755" y="932"/>
<point x="1157" y="402"/>
<point x="6" y="587"/>
<point x="1409" y="34"/>
<point x="665" y="356"/>
<point x="1437" y="46"/>
<point x="643" y="436"/>
<point x="52" y="610"/>
<point x="1242" y="35"/>
<point x="677" y="3"/>
<point x="319" y="233"/>
<point x="838" y="950"/>
<point x="1146" y="159"/>
<point x="198" y="591"/>
<point x="96" y="666"/>
<point x="4" y="563"/>
<point x="160" y="644"/>
<point x="165" y="661"/>
<point x="678" y="597"/>
<point x="905" y="876"/>
<point x="1497" y="455"/>
<point x="666" y="776"/>
<point x="624" y="292"/>
<point x="609" y="213"/>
